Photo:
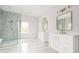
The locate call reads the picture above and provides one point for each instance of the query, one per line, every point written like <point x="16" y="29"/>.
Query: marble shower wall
<point x="8" y="26"/>
<point x="1" y="23"/>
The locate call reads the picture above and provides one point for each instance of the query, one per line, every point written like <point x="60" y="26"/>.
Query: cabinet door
<point x="65" y="44"/>
<point x="61" y="43"/>
<point x="53" y="41"/>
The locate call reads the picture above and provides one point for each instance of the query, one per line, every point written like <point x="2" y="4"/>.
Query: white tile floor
<point x="34" y="46"/>
<point x="29" y="46"/>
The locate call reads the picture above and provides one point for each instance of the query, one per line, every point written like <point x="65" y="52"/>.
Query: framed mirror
<point x="64" y="21"/>
<point x="45" y="25"/>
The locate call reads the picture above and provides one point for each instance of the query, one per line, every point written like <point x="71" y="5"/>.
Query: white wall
<point x="51" y="17"/>
<point x="33" y="26"/>
<point x="52" y="14"/>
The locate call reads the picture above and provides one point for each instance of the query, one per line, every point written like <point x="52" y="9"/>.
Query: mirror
<point x="45" y="25"/>
<point x="64" y="21"/>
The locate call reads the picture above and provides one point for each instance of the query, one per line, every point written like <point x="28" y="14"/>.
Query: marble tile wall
<point x="1" y="17"/>
<point x="8" y="26"/>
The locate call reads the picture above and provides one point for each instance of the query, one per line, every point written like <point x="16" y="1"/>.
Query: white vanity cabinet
<point x="64" y="43"/>
<point x="43" y="36"/>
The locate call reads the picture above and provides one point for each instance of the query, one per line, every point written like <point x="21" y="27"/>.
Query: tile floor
<point x="34" y="46"/>
<point x="29" y="46"/>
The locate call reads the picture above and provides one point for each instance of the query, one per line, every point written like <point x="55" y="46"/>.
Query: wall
<point x="1" y="13"/>
<point x="51" y="16"/>
<point x="75" y="19"/>
<point x="33" y="26"/>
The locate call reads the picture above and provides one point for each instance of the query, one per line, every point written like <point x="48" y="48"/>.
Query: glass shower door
<point x="8" y="30"/>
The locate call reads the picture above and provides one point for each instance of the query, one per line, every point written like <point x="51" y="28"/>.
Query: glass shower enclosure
<point x="8" y="30"/>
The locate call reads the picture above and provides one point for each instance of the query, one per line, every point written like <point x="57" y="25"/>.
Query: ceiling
<point x="30" y="10"/>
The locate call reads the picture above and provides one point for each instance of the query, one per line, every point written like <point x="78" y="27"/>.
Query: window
<point x="24" y="27"/>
